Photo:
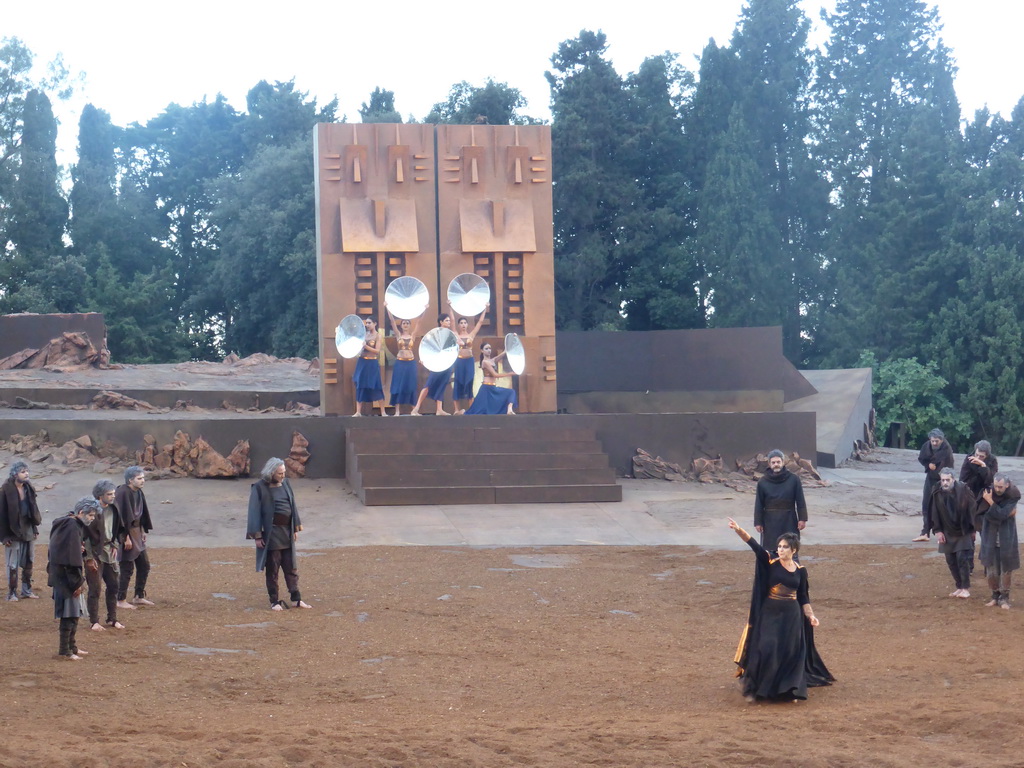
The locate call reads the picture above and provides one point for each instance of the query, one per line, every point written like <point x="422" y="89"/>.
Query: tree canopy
<point x="834" y="192"/>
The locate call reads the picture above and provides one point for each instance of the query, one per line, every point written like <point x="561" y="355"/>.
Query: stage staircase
<point x="476" y="460"/>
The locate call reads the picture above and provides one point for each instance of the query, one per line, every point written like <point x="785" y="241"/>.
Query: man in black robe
<point x="66" y="571"/>
<point x="1000" y="551"/>
<point x="979" y="468"/>
<point x="936" y="453"/>
<point x="951" y="517"/>
<point x="779" y="505"/>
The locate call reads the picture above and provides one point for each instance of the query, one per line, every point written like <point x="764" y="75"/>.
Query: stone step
<point x="460" y="444"/>
<point x="469" y="476"/>
<point x="393" y="462"/>
<point x="537" y="494"/>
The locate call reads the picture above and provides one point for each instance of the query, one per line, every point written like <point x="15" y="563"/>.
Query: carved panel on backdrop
<point x="379" y="217"/>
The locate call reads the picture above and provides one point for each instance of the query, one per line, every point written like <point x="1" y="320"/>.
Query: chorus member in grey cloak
<point x="1000" y="551"/>
<point x="936" y="453"/>
<point x="437" y="381"/>
<point x="492" y="399"/>
<point x="951" y="517"/>
<point x="133" y="555"/>
<point x="67" y="573"/>
<point x="779" y="505"/>
<point x="979" y="468"/>
<point x="462" y="389"/>
<point x="274" y="524"/>
<point x="366" y="378"/>
<point x="19" y="529"/>
<point x="403" y="375"/>
<point x="101" y="568"/>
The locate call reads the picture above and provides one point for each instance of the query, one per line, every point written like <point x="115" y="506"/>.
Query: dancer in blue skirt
<point x="369" y="388"/>
<point x="437" y="381"/>
<point x="462" y="391"/>
<point x="492" y="399"/>
<point x="403" y="375"/>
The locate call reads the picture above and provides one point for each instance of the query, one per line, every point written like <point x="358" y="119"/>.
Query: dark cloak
<point x="776" y="656"/>
<point x="940" y="457"/>
<point x="12" y="524"/>
<point x="999" y="520"/>
<point x="978" y="478"/>
<point x="261" y="519"/>
<point x="65" y="569"/>
<point x="779" y="506"/>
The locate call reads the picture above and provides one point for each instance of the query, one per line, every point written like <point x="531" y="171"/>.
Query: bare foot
<point x="414" y="412"/>
<point x="442" y="412"/>
<point x="142" y="601"/>
<point x="81" y="652"/>
<point x="115" y="624"/>
<point x="357" y="413"/>
<point x="964" y="593"/>
<point x="125" y="604"/>
<point x="97" y="627"/>
<point x="955" y="593"/>
<point x="992" y="603"/>
<point x="277" y="607"/>
<point x="922" y="537"/>
<point x="300" y="604"/>
<point x="72" y="657"/>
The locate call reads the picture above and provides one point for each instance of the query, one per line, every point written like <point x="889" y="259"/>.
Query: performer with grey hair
<point x="274" y="524"/>
<point x="19" y="529"/>
<point x="133" y="555"/>
<point x="101" y="545"/>
<point x="979" y="468"/>
<point x="779" y="505"/>
<point x="951" y="517"/>
<point x="1000" y="551"/>
<point x="936" y="453"/>
<point x="67" y="572"/>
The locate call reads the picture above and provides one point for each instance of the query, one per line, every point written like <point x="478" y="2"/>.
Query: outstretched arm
<point x="480" y="321"/>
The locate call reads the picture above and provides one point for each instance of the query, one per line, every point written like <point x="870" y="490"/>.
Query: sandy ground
<point x="516" y="655"/>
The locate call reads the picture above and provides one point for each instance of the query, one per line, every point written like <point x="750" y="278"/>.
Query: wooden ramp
<point x="476" y="460"/>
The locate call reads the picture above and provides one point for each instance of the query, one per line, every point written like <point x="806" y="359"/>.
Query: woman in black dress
<point x="776" y="656"/>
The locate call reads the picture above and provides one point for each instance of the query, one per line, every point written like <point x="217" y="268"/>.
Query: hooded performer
<point x="66" y="571"/>
<point x="779" y="505"/>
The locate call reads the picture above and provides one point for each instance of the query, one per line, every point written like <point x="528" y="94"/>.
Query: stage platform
<point x="842" y="407"/>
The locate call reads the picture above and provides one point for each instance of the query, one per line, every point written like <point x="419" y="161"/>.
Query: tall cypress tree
<point x="888" y="135"/>
<point x="592" y="164"/>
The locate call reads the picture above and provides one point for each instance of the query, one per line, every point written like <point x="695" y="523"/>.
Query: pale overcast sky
<point x="137" y="57"/>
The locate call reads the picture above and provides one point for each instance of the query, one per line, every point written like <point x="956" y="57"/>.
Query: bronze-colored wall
<point x="375" y="222"/>
<point x="18" y="332"/>
<point x="389" y="205"/>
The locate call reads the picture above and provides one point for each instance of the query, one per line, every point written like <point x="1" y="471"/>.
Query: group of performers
<point x="101" y="542"/>
<point x="982" y="503"/>
<point x="490" y="399"/>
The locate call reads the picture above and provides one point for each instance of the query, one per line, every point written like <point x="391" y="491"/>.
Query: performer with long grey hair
<point x="19" y="529"/>
<point x="274" y="524"/>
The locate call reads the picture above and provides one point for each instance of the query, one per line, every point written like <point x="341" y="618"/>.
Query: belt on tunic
<point x="369" y="357"/>
<point x="781" y="592"/>
<point x="280" y="519"/>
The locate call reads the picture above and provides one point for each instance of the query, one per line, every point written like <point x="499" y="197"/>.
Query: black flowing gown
<point x="776" y="656"/>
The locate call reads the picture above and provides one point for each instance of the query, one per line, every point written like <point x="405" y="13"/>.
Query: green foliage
<point x="265" y="277"/>
<point x="490" y="104"/>
<point x="381" y="108"/>
<point x="906" y="391"/>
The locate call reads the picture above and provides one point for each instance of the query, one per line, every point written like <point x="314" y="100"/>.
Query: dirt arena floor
<point x="581" y="656"/>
